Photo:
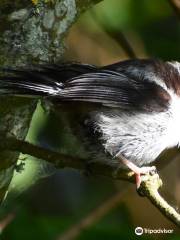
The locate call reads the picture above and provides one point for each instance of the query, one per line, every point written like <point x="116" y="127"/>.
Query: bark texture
<point x="30" y="32"/>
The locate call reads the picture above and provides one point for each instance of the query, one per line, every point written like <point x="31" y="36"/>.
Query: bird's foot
<point x="142" y="171"/>
<point x="138" y="171"/>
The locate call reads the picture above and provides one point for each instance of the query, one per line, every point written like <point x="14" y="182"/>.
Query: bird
<point x="124" y="114"/>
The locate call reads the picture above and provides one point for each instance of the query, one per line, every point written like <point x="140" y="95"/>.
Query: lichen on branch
<point x="30" y="32"/>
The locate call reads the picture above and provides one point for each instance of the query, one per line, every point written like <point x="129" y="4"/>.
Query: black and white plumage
<point x="133" y="108"/>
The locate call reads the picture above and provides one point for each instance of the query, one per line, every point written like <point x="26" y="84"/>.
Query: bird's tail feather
<point x="47" y="80"/>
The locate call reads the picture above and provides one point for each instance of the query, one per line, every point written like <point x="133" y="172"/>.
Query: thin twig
<point x="149" y="187"/>
<point x="64" y="161"/>
<point x="6" y="221"/>
<point x="98" y="213"/>
<point x="176" y="6"/>
<point x="118" y="36"/>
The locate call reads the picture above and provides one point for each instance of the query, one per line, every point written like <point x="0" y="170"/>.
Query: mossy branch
<point x="149" y="186"/>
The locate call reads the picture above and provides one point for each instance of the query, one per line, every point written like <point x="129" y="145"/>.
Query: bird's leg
<point x="137" y="170"/>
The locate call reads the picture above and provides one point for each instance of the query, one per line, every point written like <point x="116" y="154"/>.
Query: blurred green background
<point x="67" y="202"/>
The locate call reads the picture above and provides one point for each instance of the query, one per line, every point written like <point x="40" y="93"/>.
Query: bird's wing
<point x="114" y="89"/>
<point x="86" y="83"/>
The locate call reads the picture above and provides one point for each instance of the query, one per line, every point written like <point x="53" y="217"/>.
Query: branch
<point x="30" y="32"/>
<point x="149" y="187"/>
<point x="176" y="6"/>
<point x="119" y="37"/>
<point x="74" y="231"/>
<point x="62" y="160"/>
<point x="6" y="221"/>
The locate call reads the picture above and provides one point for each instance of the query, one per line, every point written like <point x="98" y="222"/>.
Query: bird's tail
<point x="46" y="80"/>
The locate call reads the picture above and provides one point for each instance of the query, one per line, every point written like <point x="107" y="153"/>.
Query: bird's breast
<point x="140" y="137"/>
